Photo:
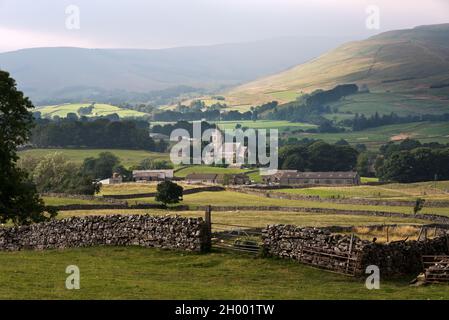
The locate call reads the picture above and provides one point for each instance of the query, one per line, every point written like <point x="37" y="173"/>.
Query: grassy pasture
<point x="260" y="219"/>
<point x="231" y="198"/>
<point x="396" y="191"/>
<point x="100" y="109"/>
<point x="265" y="124"/>
<point x="375" y="137"/>
<point x="140" y="273"/>
<point x="127" y="157"/>
<point x="385" y="103"/>
<point x="207" y="169"/>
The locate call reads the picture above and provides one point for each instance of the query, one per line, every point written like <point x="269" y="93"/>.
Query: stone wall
<point x="175" y="233"/>
<point x="153" y="194"/>
<point x="288" y="196"/>
<point x="349" y="254"/>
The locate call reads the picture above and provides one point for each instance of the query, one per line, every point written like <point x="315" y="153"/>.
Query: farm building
<point x="116" y="179"/>
<point x="205" y="178"/>
<point x="276" y="178"/>
<point x="236" y="179"/>
<point x="153" y="175"/>
<point x="320" y="178"/>
<point x="213" y="178"/>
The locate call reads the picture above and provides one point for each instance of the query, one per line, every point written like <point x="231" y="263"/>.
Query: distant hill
<point x="57" y="75"/>
<point x="412" y="62"/>
<point x="97" y="110"/>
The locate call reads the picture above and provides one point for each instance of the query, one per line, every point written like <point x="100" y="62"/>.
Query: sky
<point x="173" y="23"/>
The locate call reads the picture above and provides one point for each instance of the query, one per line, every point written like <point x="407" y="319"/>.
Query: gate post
<point x="208" y="229"/>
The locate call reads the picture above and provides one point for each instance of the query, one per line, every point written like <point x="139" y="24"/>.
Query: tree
<point x="102" y="167"/>
<point x="19" y="200"/>
<point x="54" y="173"/>
<point x="169" y="192"/>
<point x="419" y="205"/>
<point x="150" y="164"/>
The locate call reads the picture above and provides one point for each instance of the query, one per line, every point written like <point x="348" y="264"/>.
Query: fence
<point x="233" y="237"/>
<point x="436" y="268"/>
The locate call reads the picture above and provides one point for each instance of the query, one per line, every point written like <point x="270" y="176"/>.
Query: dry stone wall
<point x="349" y="254"/>
<point x="116" y="230"/>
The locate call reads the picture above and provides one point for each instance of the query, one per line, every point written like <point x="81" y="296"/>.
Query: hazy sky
<point x="172" y="23"/>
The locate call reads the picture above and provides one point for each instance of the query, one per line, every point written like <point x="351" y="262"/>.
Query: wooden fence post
<point x="208" y="220"/>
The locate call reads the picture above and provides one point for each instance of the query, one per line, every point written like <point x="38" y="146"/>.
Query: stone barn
<point x="320" y="178"/>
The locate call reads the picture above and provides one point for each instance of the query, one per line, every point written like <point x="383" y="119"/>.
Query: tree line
<point x="101" y="133"/>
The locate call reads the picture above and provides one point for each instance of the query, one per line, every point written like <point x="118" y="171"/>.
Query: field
<point x="182" y="173"/>
<point x="386" y="103"/>
<point x="127" y="157"/>
<point x="427" y="190"/>
<point x="138" y="273"/>
<point x="266" y="124"/>
<point x="231" y="198"/>
<point x="375" y="137"/>
<point x="260" y="219"/>
<point x="99" y="110"/>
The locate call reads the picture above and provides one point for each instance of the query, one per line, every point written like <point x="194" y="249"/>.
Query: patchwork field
<point x="98" y="111"/>
<point x="139" y="273"/>
<point x="375" y="137"/>
<point x="127" y="157"/>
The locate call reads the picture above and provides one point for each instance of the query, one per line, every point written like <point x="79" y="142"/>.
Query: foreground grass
<point x="139" y="273"/>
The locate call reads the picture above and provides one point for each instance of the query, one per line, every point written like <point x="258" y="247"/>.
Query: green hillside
<point x="408" y="63"/>
<point x="98" y="110"/>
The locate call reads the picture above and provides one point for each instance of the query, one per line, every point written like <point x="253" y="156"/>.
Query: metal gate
<point x="236" y="238"/>
<point x="436" y="268"/>
<point x="233" y="237"/>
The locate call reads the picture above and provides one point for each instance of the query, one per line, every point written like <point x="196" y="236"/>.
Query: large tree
<point x="19" y="201"/>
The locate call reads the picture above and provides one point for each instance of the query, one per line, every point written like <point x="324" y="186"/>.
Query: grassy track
<point x="139" y="273"/>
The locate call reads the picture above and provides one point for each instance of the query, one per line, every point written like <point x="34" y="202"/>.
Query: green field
<point x="182" y="173"/>
<point x="265" y="124"/>
<point x="375" y="137"/>
<point x="386" y="103"/>
<point x="260" y="219"/>
<point x="99" y="110"/>
<point x="396" y="191"/>
<point x="127" y="157"/>
<point x="139" y="273"/>
<point x="232" y="198"/>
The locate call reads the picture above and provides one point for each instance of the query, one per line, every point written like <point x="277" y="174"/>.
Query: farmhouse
<point x="320" y="178"/>
<point x="205" y="178"/>
<point x="153" y="175"/>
